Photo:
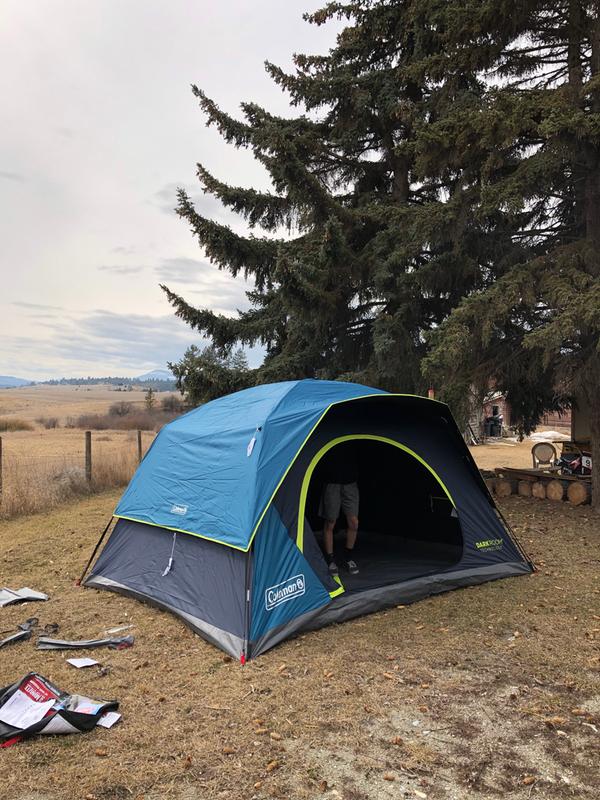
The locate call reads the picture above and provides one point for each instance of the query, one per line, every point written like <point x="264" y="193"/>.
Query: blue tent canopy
<point x="241" y="479"/>
<point x="212" y="472"/>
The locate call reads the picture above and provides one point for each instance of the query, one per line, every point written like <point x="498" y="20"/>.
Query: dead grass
<point x="14" y="424"/>
<point x="466" y="695"/>
<point x="44" y="470"/>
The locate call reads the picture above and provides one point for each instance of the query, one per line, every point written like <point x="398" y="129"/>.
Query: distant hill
<point x="156" y="375"/>
<point x="10" y="382"/>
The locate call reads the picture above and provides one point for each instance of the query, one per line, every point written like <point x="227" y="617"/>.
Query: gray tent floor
<point x="384" y="559"/>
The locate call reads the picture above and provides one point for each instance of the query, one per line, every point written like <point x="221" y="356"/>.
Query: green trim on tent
<point x="181" y="530"/>
<point x="290" y="465"/>
<point x="314" y="427"/>
<point x="339" y="590"/>
<point x="357" y="437"/>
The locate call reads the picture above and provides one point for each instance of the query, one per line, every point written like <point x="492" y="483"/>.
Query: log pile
<point x="539" y="484"/>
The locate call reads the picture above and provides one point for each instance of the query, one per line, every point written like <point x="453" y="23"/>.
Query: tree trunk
<point x="555" y="490"/>
<point x="595" y="431"/>
<point x="524" y="488"/>
<point x="578" y="493"/>
<point x="538" y="490"/>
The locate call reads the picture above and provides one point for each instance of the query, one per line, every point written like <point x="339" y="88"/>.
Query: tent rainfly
<point x="220" y="522"/>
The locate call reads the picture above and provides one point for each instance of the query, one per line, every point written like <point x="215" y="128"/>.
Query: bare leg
<point x="351" y="530"/>
<point x="328" y="536"/>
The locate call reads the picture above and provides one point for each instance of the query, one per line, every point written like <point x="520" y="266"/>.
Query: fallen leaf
<point x="553" y="721"/>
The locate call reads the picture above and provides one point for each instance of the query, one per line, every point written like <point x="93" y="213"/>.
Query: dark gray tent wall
<point x="206" y="585"/>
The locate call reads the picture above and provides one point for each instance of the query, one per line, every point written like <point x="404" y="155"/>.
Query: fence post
<point x="0" y="470"/>
<point x="139" y="441"/>
<point x="88" y="456"/>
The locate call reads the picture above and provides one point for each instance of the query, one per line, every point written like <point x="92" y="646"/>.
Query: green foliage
<point x="379" y="248"/>
<point x="149" y="399"/>
<point x="202" y="375"/>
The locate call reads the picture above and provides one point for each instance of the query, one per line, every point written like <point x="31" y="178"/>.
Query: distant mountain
<point x="156" y="375"/>
<point x="9" y="382"/>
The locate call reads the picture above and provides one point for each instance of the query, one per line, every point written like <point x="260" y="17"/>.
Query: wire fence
<point x="87" y="462"/>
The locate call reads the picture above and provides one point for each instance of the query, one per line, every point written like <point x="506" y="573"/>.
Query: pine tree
<point x="536" y="329"/>
<point x="203" y="375"/>
<point x="382" y="244"/>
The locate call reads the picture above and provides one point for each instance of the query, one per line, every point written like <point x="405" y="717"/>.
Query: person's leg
<point x="351" y="531"/>
<point x="329" y="510"/>
<point x="350" y="500"/>
<point x="328" y="527"/>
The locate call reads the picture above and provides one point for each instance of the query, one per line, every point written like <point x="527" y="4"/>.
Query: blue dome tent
<point x="220" y="522"/>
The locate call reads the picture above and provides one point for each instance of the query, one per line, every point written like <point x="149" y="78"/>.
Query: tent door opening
<point x="408" y="525"/>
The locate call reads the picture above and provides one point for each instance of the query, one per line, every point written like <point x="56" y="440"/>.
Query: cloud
<point x="36" y="306"/>
<point x="111" y="342"/>
<point x="218" y="289"/>
<point x="11" y="176"/>
<point x="120" y="269"/>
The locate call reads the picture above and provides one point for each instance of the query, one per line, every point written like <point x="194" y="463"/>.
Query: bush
<point x="120" y="409"/>
<point x="137" y="420"/>
<point x="172" y="403"/>
<point x="14" y="424"/>
<point x="48" y="422"/>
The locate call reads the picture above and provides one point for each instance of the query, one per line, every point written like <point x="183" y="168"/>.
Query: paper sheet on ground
<point x="108" y="720"/>
<point x="21" y="711"/>
<point x="82" y="662"/>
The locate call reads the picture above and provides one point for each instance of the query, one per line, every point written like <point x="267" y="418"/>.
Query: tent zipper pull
<point x="170" y="564"/>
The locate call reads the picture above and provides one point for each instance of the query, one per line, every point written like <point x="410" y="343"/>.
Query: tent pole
<point x="246" y="655"/>
<point x="89" y="563"/>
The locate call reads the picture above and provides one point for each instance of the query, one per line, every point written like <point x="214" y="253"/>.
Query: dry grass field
<point x="31" y="402"/>
<point x="481" y="693"/>
<point x="45" y="467"/>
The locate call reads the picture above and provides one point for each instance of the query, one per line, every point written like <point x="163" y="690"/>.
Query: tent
<point x="220" y="522"/>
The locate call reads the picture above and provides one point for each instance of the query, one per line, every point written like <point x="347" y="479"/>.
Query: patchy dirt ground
<point x="482" y="693"/>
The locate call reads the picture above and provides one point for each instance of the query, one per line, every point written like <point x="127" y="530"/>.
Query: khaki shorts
<point x="336" y="497"/>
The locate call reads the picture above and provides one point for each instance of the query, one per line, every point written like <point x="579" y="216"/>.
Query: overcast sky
<point x="98" y="127"/>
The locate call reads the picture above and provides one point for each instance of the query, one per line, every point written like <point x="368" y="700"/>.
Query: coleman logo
<point x="282" y="592"/>
<point x="181" y="510"/>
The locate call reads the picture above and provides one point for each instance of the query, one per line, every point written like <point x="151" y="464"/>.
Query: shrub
<point x="120" y="409"/>
<point x="136" y="420"/>
<point x="48" y="422"/>
<point x="172" y="403"/>
<point x="14" y="424"/>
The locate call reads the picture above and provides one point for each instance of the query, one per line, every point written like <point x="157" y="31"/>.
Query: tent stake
<point x="87" y="566"/>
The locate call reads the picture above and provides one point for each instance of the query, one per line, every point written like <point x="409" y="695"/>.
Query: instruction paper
<point x="82" y="662"/>
<point x="108" y="720"/>
<point x="28" y="705"/>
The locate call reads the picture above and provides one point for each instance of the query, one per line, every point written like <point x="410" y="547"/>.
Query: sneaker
<point x="333" y="568"/>
<point x="352" y="567"/>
